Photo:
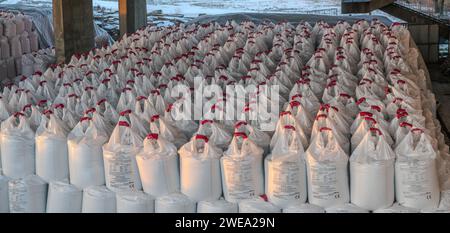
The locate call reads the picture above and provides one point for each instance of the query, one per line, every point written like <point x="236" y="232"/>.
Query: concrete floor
<point x="441" y="88"/>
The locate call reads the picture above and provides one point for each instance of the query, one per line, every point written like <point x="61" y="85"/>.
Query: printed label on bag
<point x="415" y="180"/>
<point x="324" y="183"/>
<point x="239" y="178"/>
<point x="120" y="175"/>
<point x="285" y="180"/>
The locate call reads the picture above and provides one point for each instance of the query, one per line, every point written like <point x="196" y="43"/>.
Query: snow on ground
<point x="192" y="8"/>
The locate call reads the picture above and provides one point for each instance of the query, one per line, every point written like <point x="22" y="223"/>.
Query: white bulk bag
<point x="345" y="208"/>
<point x="396" y="208"/>
<point x="219" y="206"/>
<point x="5" y="50"/>
<point x="9" y="28"/>
<point x="242" y="169"/>
<point x="28" y="23"/>
<point x="25" y="43"/>
<point x="52" y="162"/>
<point x="4" y="197"/>
<point x="27" y="65"/>
<point x="27" y="195"/>
<point x="16" y="47"/>
<point x="158" y="166"/>
<point x="285" y="169"/>
<point x="326" y="165"/>
<point x="63" y="198"/>
<point x="34" y="41"/>
<point x="17" y="147"/>
<point x="303" y="208"/>
<point x="119" y="156"/>
<point x="215" y="132"/>
<point x="372" y="172"/>
<point x="134" y="202"/>
<point x="98" y="199"/>
<point x="85" y="143"/>
<point x="11" y="67"/>
<point x="174" y="203"/>
<point x="257" y="205"/>
<point x="200" y="169"/>
<point x="166" y="130"/>
<point x="20" y="25"/>
<point x="3" y="69"/>
<point x="261" y="138"/>
<point x="416" y="178"/>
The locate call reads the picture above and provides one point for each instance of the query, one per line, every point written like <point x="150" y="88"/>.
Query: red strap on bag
<point x="206" y="122"/>
<point x="201" y="137"/>
<point x="240" y="134"/>
<point x="126" y="112"/>
<point x="85" y="119"/>
<point x="17" y="114"/>
<point x="294" y="104"/>
<point x="152" y="136"/>
<point x="321" y="116"/>
<point x="361" y="100"/>
<point x="376" y="130"/>
<point x="26" y="106"/>
<point x="101" y="101"/>
<point x="47" y="111"/>
<point x="41" y="102"/>
<point x="325" y="128"/>
<point x="405" y="124"/>
<point x="91" y="110"/>
<point x="238" y="124"/>
<point x="417" y="130"/>
<point x="59" y="106"/>
<point x="139" y="98"/>
<point x="345" y="95"/>
<point x="374" y="107"/>
<point x="124" y="123"/>
<point x="154" y="118"/>
<point x="289" y="127"/>
<point x="285" y="113"/>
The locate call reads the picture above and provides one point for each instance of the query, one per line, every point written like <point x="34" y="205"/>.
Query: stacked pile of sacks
<point x="38" y="61"/>
<point x="103" y="130"/>
<point x="17" y="37"/>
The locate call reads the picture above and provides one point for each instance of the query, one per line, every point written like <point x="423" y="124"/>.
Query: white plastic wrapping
<point x="345" y="208"/>
<point x="27" y="195"/>
<point x="4" y="196"/>
<point x="119" y="155"/>
<point x="286" y="169"/>
<point x="63" y="198"/>
<point x="242" y="169"/>
<point x="134" y="202"/>
<point x="174" y="203"/>
<point x="85" y="154"/>
<point x="416" y="180"/>
<point x="98" y="199"/>
<point x="326" y="165"/>
<point x="17" y="147"/>
<point x="200" y="169"/>
<point x="218" y="206"/>
<point x="257" y="205"/>
<point x="372" y="172"/>
<point x="303" y="208"/>
<point x="396" y="208"/>
<point x="158" y="166"/>
<point x="52" y="162"/>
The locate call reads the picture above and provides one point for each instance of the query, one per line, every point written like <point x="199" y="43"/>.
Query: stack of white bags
<point x="17" y="37"/>
<point x="357" y="130"/>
